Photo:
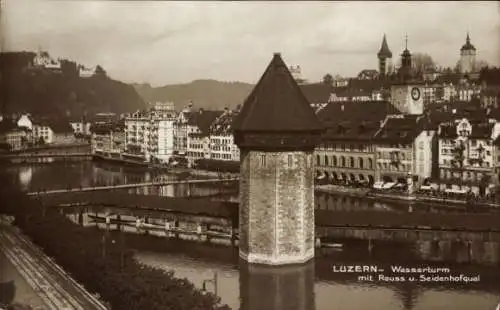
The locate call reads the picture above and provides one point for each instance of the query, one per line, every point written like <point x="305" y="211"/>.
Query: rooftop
<point x="277" y="104"/>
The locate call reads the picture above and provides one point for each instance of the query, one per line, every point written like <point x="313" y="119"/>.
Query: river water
<point x="311" y="286"/>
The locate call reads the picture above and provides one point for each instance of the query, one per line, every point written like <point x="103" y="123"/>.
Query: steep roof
<point x="202" y="119"/>
<point x="467" y="46"/>
<point x="400" y="129"/>
<point x="276" y="104"/>
<point x="384" y="52"/>
<point x="60" y="126"/>
<point x="317" y="92"/>
<point x="354" y="120"/>
<point x="223" y="124"/>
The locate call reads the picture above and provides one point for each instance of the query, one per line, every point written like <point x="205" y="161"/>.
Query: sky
<point x="169" y="42"/>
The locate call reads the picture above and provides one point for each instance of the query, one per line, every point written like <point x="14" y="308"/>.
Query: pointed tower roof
<point x="384" y="52"/>
<point x="468" y="46"/>
<point x="277" y="104"/>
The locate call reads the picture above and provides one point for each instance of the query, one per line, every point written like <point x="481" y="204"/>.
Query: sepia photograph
<point x="249" y="155"/>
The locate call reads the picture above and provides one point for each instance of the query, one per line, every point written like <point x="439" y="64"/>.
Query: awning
<point x="389" y="185"/>
<point x="425" y="187"/>
<point x="455" y="191"/>
<point x="399" y="185"/>
<point x="378" y="185"/>
<point x="321" y="177"/>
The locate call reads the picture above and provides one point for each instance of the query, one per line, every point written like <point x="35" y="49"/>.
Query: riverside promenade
<point x="52" y="284"/>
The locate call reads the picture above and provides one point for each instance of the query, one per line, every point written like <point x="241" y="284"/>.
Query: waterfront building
<point x="81" y="126"/>
<point x="62" y="132"/>
<point x="468" y="155"/>
<point x="181" y="131"/>
<point x="404" y="150"/>
<point x="467" y="62"/>
<point x="384" y="57"/>
<point x="25" y="121"/>
<point x="198" y="134"/>
<point x="13" y="137"/>
<point x="346" y="154"/>
<point x="276" y="131"/>
<point x="108" y="139"/>
<point x="349" y="94"/>
<point x="52" y="131"/>
<point x="42" y="133"/>
<point x="222" y="145"/>
<point x="150" y="134"/>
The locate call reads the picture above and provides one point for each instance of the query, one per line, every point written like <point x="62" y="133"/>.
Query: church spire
<point x="384" y="52"/>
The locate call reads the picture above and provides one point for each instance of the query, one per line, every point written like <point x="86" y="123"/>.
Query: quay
<point x="54" y="286"/>
<point x="130" y="186"/>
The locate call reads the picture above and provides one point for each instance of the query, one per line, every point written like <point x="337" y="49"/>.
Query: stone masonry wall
<point x="260" y="202"/>
<point x="277" y="206"/>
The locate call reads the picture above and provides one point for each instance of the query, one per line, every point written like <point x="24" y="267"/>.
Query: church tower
<point x="276" y="132"/>
<point x="384" y="58"/>
<point x="467" y="57"/>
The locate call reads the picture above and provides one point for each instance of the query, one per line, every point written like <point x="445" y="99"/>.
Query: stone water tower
<point x="276" y="131"/>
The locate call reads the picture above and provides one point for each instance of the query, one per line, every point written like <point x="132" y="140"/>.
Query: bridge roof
<point x="194" y="206"/>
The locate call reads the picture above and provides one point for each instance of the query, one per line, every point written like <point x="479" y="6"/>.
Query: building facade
<point x="404" y="150"/>
<point x="346" y="154"/>
<point x="468" y="156"/>
<point x="222" y="145"/>
<point x="108" y="140"/>
<point x="198" y="134"/>
<point x="150" y="135"/>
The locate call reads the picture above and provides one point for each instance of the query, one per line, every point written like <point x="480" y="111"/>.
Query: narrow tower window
<point x="262" y="160"/>
<point x="290" y="161"/>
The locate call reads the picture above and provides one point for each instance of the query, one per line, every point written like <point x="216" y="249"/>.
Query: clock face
<point x="415" y="93"/>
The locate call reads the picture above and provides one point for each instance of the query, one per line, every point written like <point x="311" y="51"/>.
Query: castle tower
<point x="276" y="132"/>
<point x="384" y="58"/>
<point x="467" y="57"/>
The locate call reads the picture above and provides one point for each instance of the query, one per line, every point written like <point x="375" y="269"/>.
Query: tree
<point x="480" y="64"/>
<point x="69" y="68"/>
<point x="100" y="72"/>
<point x="328" y="79"/>
<point x="422" y="62"/>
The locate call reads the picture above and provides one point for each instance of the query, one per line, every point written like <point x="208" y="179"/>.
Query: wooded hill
<point x="42" y="91"/>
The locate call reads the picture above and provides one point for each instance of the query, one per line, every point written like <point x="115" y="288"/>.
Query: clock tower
<point x="407" y="93"/>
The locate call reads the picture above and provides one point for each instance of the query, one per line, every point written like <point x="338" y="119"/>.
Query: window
<point x="361" y="163"/>
<point x="370" y="163"/>
<point x="318" y="160"/>
<point x="262" y="160"/>
<point x="334" y="161"/>
<point x="326" y="160"/>
<point x="290" y="161"/>
<point x="351" y="162"/>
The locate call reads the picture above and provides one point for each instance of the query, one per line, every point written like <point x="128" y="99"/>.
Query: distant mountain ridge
<point x="205" y="94"/>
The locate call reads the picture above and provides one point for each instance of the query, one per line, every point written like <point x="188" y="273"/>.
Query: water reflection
<point x="25" y="176"/>
<point x="277" y="288"/>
